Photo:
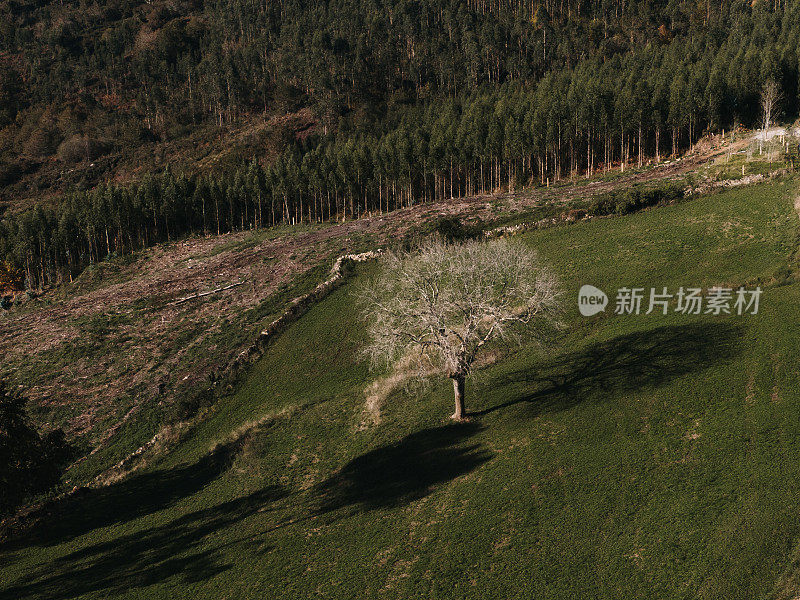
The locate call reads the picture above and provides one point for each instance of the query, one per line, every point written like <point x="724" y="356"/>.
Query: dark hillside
<point x="89" y="92"/>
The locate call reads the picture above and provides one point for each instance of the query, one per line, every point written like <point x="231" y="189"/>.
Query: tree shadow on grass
<point x="634" y="361"/>
<point x="146" y="557"/>
<point x="410" y="469"/>
<point x="400" y="473"/>
<point x="133" y="497"/>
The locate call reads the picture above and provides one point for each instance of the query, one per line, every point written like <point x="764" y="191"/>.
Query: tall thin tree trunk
<point x="458" y="392"/>
<point x="641" y="152"/>
<point x="658" y="154"/>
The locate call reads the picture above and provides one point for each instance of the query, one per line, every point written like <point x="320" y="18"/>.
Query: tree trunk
<point x="458" y="392"/>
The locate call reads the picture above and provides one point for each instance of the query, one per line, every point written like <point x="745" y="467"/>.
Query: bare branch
<point x="442" y="304"/>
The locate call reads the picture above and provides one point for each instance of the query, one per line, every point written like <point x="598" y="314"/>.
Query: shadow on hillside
<point x="176" y="549"/>
<point x="403" y="472"/>
<point x="630" y="362"/>
<point x="131" y="498"/>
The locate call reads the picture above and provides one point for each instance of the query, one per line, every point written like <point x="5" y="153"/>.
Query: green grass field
<point x="637" y="457"/>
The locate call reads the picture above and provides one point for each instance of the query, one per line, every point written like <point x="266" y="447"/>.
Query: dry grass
<point x="379" y="390"/>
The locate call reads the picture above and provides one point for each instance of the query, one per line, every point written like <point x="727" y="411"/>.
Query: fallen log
<point x="202" y="294"/>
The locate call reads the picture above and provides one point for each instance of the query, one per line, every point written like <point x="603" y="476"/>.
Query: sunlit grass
<point x="649" y="456"/>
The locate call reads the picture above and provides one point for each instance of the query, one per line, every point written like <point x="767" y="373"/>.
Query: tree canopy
<point x="438" y="307"/>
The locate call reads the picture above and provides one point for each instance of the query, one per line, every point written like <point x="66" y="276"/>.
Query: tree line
<point x="598" y="116"/>
<point x="607" y="111"/>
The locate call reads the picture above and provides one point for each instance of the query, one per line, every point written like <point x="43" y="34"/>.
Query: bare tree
<point x="770" y="99"/>
<point x="438" y="307"/>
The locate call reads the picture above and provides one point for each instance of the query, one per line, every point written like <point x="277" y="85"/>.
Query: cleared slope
<point x="643" y="456"/>
<point x="111" y="357"/>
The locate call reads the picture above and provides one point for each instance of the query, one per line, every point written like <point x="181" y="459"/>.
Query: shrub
<point x="454" y="229"/>
<point x="10" y="172"/>
<point x="72" y="150"/>
<point x="636" y="198"/>
<point x="41" y="142"/>
<point x="78" y="148"/>
<point x="30" y="463"/>
<point x="11" y="277"/>
<point x="602" y="205"/>
<point x="189" y="405"/>
<point x="575" y="214"/>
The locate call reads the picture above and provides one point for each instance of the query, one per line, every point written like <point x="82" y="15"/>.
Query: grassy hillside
<point x="642" y="456"/>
